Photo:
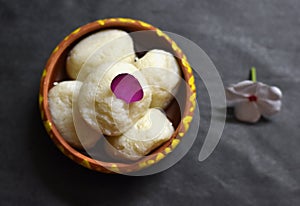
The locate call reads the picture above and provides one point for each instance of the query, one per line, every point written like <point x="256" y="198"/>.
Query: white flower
<point x="253" y="99"/>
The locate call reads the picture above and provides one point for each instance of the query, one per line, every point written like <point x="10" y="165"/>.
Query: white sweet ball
<point x="163" y="75"/>
<point x="60" y="100"/>
<point x="103" y="46"/>
<point x="146" y="134"/>
<point x="99" y="106"/>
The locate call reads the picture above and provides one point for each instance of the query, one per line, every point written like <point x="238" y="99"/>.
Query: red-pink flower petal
<point x="127" y="87"/>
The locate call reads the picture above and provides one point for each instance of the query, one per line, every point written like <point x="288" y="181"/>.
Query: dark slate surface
<point x="253" y="164"/>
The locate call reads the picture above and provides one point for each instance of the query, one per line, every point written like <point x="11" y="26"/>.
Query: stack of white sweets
<point x="132" y="129"/>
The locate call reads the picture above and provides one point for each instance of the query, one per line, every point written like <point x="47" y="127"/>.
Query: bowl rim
<point x="116" y="167"/>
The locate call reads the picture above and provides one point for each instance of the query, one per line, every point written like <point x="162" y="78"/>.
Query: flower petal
<point x="127" y="88"/>
<point x="268" y="107"/>
<point x="234" y="98"/>
<point x="267" y="92"/>
<point x="276" y="93"/>
<point x="245" y="87"/>
<point x="247" y="112"/>
<point x="240" y="92"/>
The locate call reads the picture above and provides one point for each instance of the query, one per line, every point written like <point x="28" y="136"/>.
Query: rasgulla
<point x="146" y="134"/>
<point x="162" y="74"/>
<point x="104" y="46"/>
<point x="102" y="109"/>
<point x="60" y="100"/>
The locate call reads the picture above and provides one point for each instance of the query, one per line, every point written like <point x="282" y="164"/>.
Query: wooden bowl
<point x="55" y="72"/>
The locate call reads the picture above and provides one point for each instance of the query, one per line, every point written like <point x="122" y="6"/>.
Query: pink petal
<point x="266" y="92"/>
<point x="276" y="93"/>
<point x="247" y="112"/>
<point x="234" y="98"/>
<point x="245" y="87"/>
<point x="268" y="107"/>
<point x="127" y="87"/>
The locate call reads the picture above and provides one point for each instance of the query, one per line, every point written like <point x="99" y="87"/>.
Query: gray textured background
<point x="253" y="164"/>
